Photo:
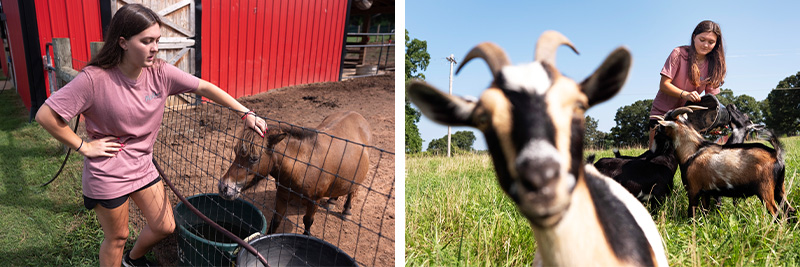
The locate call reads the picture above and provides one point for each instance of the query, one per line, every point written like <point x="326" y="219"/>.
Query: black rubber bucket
<point x="715" y="116"/>
<point x="294" y="250"/>
<point x="199" y="244"/>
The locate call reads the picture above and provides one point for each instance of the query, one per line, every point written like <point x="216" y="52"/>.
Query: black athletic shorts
<point x="89" y="203"/>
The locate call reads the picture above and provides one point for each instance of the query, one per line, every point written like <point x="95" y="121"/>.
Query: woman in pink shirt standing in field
<point x="690" y="70"/>
<point x="121" y="94"/>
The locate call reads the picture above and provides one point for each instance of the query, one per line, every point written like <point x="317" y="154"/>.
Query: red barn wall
<point x="17" y="47"/>
<point x="253" y="46"/>
<point x="78" y="20"/>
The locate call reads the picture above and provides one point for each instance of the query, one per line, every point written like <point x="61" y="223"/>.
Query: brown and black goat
<point x="533" y="121"/>
<point x="737" y="170"/>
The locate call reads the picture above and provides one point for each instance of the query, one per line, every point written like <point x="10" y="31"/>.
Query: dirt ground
<point x="196" y="148"/>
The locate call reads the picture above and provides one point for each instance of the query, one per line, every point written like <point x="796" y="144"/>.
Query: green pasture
<point x="457" y="215"/>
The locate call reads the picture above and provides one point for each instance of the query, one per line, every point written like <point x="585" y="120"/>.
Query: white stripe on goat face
<point x="561" y="97"/>
<point x="531" y="78"/>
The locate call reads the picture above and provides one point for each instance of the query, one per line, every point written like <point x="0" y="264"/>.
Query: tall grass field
<point x="457" y="215"/>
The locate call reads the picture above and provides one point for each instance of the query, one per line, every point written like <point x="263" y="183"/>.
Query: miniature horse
<point x="330" y="161"/>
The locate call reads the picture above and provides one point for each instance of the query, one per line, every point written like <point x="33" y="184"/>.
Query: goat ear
<point x="440" y="107"/>
<point x="608" y="79"/>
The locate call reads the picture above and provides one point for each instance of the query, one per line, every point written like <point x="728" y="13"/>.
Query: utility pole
<point x="452" y="62"/>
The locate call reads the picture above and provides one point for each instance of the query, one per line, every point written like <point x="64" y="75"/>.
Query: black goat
<point x="649" y="176"/>
<point x="741" y="126"/>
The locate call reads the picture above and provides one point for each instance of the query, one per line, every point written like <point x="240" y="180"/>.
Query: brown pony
<point x="310" y="164"/>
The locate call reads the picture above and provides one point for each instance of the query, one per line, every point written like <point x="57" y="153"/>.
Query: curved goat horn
<point x="673" y="114"/>
<point x="657" y="117"/>
<point x="494" y="56"/>
<point x="695" y="107"/>
<point x="548" y="44"/>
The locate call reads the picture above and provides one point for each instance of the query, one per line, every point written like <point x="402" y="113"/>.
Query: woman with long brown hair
<point x="690" y="70"/>
<point x="121" y="94"/>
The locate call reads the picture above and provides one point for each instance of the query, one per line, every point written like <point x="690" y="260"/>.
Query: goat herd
<point x="583" y="214"/>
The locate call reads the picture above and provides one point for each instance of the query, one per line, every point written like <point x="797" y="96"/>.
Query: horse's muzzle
<point x="228" y="191"/>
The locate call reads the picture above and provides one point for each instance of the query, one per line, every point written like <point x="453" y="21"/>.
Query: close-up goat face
<point x="532" y="118"/>
<point x="528" y="118"/>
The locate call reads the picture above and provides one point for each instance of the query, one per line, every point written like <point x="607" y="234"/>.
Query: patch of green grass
<point x="456" y="214"/>
<point x="40" y="226"/>
<point x="457" y="202"/>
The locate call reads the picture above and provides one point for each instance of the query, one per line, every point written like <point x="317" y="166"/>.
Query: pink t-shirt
<point x="132" y="110"/>
<point x="677" y="68"/>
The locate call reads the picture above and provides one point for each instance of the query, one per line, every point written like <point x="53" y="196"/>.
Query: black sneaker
<point x="128" y="262"/>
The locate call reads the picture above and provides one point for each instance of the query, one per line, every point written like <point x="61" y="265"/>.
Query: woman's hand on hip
<point x="103" y="147"/>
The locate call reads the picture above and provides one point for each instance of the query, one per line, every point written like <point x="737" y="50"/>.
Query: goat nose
<point x="538" y="173"/>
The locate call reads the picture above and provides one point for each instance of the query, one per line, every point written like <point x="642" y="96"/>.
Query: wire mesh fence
<point x="197" y="145"/>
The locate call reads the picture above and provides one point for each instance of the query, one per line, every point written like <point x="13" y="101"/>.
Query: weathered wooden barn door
<point x="176" y="35"/>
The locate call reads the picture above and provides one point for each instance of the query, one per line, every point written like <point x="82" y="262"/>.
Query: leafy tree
<point x="784" y="107"/>
<point x="725" y="96"/>
<point x="631" y="128"/>
<point x="413" y="139"/>
<point x="438" y="146"/>
<point x="750" y="106"/>
<point x="461" y="140"/>
<point x="592" y="137"/>
<point x="763" y="106"/>
<point x="417" y="59"/>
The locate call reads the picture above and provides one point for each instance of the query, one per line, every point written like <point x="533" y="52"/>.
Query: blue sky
<point x="760" y="37"/>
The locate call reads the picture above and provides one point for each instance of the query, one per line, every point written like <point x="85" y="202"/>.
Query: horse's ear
<point x="274" y="139"/>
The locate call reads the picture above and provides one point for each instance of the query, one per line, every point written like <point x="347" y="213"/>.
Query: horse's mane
<point x="296" y="131"/>
<point x="250" y="140"/>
